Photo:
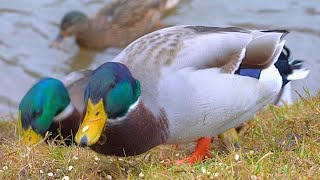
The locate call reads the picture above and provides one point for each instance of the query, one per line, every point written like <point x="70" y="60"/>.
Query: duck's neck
<point x="83" y="26"/>
<point x="140" y="131"/>
<point x="66" y="125"/>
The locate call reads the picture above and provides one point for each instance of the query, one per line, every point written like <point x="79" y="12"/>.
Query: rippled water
<point x="28" y="26"/>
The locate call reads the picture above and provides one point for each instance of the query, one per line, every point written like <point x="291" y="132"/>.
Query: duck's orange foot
<point x="194" y="158"/>
<point x="201" y="152"/>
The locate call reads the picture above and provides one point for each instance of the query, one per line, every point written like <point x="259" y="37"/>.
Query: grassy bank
<point x="281" y="143"/>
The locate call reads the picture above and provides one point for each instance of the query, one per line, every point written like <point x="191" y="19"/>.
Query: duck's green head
<point x="42" y="104"/>
<point x="110" y="94"/>
<point x="71" y="23"/>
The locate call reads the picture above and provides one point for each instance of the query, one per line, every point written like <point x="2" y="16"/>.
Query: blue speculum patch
<point x="254" y="73"/>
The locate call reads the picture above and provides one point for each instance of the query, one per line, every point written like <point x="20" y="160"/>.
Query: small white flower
<point x="70" y="168"/>
<point x="75" y="158"/>
<point x="141" y="175"/>
<point x="216" y="174"/>
<point x="177" y="154"/>
<point x="220" y="164"/>
<point x="66" y="178"/>
<point x="41" y="171"/>
<point x="251" y="152"/>
<point x="96" y="158"/>
<point x="25" y="155"/>
<point x="5" y="167"/>
<point x="236" y="157"/>
<point x="109" y="177"/>
<point x="203" y="170"/>
<point x="50" y="174"/>
<point x="253" y="177"/>
<point x="57" y="170"/>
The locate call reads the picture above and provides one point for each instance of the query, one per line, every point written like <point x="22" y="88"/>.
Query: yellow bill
<point x="93" y="124"/>
<point x="30" y="137"/>
<point x="56" y="43"/>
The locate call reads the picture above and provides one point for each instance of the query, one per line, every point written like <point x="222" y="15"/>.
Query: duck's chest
<point x="138" y="133"/>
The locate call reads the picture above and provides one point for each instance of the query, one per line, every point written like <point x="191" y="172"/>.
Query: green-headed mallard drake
<point x="116" y="25"/>
<point x="178" y="85"/>
<point x="54" y="106"/>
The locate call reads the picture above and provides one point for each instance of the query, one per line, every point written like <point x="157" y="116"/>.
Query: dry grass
<point x="281" y="143"/>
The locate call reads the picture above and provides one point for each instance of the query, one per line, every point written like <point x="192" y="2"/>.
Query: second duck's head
<point x="71" y="23"/>
<point x="111" y="94"/>
<point x="46" y="102"/>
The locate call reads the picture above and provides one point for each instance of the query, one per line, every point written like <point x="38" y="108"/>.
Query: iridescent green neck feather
<point x="113" y="83"/>
<point x="42" y="103"/>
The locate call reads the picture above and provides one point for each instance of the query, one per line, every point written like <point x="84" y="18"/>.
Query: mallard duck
<point x="55" y="106"/>
<point x="178" y="85"/>
<point x="116" y="25"/>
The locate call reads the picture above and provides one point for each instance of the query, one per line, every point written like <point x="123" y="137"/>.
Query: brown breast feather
<point x="140" y="132"/>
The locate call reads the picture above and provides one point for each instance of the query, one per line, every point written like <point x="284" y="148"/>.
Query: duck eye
<point x="38" y="112"/>
<point x="112" y="85"/>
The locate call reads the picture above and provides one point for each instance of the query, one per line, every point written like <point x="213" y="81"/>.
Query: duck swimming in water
<point x="116" y="25"/>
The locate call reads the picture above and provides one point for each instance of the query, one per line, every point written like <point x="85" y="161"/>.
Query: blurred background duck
<point x="54" y="106"/>
<point x="116" y="25"/>
<point x="176" y="85"/>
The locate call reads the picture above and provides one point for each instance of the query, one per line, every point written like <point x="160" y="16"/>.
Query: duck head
<point x="46" y="102"/>
<point x="109" y="96"/>
<point x="71" y="23"/>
